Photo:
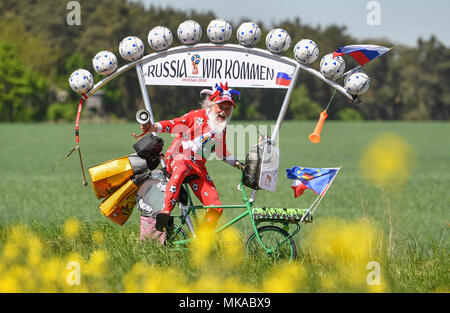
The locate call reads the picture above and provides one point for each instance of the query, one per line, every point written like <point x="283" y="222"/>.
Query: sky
<point x="401" y="21"/>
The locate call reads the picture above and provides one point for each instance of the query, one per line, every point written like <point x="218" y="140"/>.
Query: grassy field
<point x="409" y="221"/>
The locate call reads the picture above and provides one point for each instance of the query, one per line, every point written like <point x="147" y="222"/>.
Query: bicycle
<point x="132" y="180"/>
<point x="272" y="240"/>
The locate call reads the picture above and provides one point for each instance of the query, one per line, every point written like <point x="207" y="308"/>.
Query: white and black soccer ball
<point x="278" y="40"/>
<point x="81" y="81"/>
<point x="131" y="48"/>
<point x="357" y="83"/>
<point x="248" y="34"/>
<point x="332" y="68"/>
<point x="219" y="31"/>
<point x="306" y="51"/>
<point x="189" y="32"/>
<point x="160" y="38"/>
<point x="105" y="62"/>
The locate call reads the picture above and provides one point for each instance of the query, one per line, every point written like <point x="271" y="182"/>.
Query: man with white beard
<point x="199" y="133"/>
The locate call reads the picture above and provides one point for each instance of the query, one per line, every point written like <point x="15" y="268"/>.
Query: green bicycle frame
<point x="247" y="204"/>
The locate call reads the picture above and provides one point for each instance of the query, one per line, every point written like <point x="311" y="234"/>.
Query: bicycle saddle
<point x="183" y="196"/>
<point x="189" y="178"/>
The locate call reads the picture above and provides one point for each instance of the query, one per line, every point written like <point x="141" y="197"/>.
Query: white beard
<point x="215" y="124"/>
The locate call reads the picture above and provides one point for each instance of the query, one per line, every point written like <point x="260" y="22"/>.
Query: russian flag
<point x="363" y="54"/>
<point x="283" y="79"/>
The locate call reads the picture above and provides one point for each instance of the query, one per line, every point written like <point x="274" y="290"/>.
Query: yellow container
<point x="119" y="206"/>
<point x="109" y="176"/>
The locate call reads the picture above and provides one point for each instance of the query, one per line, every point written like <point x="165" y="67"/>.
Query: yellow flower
<point x="10" y="251"/>
<point x="9" y="284"/>
<point x="97" y="264"/>
<point x="72" y="228"/>
<point x="232" y="248"/>
<point x="98" y="237"/>
<point x="202" y="246"/>
<point x="286" y="277"/>
<point x="387" y="161"/>
<point x="34" y="251"/>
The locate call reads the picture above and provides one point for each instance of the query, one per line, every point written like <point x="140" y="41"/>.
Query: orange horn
<point x="315" y="136"/>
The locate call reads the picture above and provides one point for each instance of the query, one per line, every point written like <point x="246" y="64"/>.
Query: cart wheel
<point x="271" y="236"/>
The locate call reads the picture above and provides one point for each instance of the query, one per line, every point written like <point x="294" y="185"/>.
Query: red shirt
<point x="190" y="128"/>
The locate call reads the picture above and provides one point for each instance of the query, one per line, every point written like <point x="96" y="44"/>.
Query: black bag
<point x="253" y="163"/>
<point x="253" y="167"/>
<point x="149" y="148"/>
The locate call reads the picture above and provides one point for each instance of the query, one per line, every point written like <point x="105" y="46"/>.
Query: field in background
<point x="413" y="219"/>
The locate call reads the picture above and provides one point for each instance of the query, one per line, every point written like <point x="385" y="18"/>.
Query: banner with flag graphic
<point x="316" y="179"/>
<point x="283" y="79"/>
<point x="362" y="54"/>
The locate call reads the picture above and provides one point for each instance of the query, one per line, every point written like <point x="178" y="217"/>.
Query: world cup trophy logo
<point x="195" y="61"/>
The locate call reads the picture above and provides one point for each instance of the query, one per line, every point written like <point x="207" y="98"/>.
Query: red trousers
<point x="180" y="168"/>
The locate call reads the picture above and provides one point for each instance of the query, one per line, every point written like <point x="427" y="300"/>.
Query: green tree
<point x="406" y="83"/>
<point x="23" y="92"/>
<point x="301" y="106"/>
<point x="349" y="114"/>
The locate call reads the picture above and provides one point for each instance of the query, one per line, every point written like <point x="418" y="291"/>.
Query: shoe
<point x="162" y="220"/>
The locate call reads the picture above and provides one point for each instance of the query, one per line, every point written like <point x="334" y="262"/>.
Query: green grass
<point x="416" y="215"/>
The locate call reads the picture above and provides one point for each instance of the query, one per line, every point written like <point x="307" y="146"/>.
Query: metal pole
<point x="148" y="106"/>
<point x="287" y="98"/>
<point x="281" y="115"/>
<point x="327" y="81"/>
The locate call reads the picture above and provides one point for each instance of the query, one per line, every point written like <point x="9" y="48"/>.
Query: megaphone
<point x="314" y="137"/>
<point x="142" y="117"/>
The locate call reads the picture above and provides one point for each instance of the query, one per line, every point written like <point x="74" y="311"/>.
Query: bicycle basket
<point x="290" y="215"/>
<point x="261" y="165"/>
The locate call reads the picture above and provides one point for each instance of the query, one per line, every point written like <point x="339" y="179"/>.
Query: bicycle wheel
<point x="173" y="235"/>
<point x="271" y="237"/>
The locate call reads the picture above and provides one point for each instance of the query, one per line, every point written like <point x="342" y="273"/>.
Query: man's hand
<point x="148" y="127"/>
<point x="239" y="165"/>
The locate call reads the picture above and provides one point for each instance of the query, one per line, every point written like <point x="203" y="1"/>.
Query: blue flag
<point x="316" y="179"/>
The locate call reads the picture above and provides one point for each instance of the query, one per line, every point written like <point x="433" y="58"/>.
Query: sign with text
<point x="240" y="68"/>
<point x="269" y="168"/>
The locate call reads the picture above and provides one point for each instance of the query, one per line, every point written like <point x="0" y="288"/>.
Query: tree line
<point x="39" y="50"/>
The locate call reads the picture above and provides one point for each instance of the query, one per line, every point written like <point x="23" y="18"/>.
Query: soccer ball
<point x="278" y="40"/>
<point x="131" y="48"/>
<point x="160" y="38"/>
<point x="219" y="31"/>
<point x="105" y="62"/>
<point x="81" y="81"/>
<point x="306" y="51"/>
<point x="332" y="68"/>
<point x="357" y="83"/>
<point x="248" y="34"/>
<point x="189" y="32"/>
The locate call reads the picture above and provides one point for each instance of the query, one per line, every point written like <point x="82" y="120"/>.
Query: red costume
<point x="194" y="142"/>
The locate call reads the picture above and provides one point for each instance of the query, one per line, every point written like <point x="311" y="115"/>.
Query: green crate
<point x="290" y="215"/>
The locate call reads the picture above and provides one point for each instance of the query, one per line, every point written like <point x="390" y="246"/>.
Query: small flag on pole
<point x="363" y="54"/>
<point x="316" y="179"/>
